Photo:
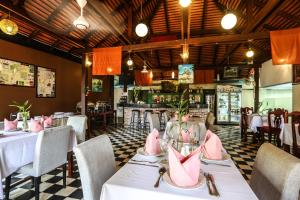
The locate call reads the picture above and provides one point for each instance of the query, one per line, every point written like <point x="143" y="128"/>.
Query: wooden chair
<point x="274" y="124"/>
<point x="245" y="112"/>
<point x="295" y="125"/>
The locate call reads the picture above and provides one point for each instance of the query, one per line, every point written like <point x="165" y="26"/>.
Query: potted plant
<point x="23" y="111"/>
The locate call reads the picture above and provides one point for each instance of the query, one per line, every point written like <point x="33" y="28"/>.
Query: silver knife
<point x="213" y="184"/>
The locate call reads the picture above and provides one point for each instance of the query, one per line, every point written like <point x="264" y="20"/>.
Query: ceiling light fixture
<point x="141" y="29"/>
<point x="250" y="53"/>
<point x="8" y="26"/>
<point x="228" y="21"/>
<point x="129" y="61"/>
<point x="185" y="3"/>
<point x="144" y="70"/>
<point x="81" y="22"/>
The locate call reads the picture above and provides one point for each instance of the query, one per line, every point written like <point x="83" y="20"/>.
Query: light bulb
<point x="250" y="53"/>
<point x="141" y="30"/>
<point x="185" y="3"/>
<point x="129" y="62"/>
<point x="9" y="29"/>
<point x="173" y="75"/>
<point x="229" y="21"/>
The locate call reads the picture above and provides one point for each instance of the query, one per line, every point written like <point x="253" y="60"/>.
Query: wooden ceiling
<point x="48" y="25"/>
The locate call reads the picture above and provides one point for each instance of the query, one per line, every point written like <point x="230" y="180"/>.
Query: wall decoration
<point x="231" y="72"/>
<point x="296" y="73"/>
<point x="97" y="85"/>
<point x="16" y="73"/>
<point x="46" y="82"/>
<point x="186" y="73"/>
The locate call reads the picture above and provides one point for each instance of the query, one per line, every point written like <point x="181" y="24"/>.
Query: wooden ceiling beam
<point x="289" y="17"/>
<point x="214" y="58"/>
<point x="204" y="11"/>
<point x="57" y="10"/>
<point x="269" y="27"/>
<point x="202" y="41"/>
<point x="255" y="22"/>
<point x="6" y="5"/>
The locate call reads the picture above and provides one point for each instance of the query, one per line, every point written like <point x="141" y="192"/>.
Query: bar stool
<point x="135" y="121"/>
<point x="162" y="120"/>
<point x="146" y="123"/>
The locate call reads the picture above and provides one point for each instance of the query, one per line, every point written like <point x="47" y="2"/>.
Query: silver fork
<point x="211" y="185"/>
<point x="151" y="162"/>
<point x="211" y="177"/>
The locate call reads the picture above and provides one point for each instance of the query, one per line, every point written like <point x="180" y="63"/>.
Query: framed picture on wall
<point x="16" y="73"/>
<point x="231" y="72"/>
<point x="46" y="83"/>
<point x="97" y="85"/>
<point x="296" y="73"/>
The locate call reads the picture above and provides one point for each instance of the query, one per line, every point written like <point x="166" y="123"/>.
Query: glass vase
<point x="25" y="122"/>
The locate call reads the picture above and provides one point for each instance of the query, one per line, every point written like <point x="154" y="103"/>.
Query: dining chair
<point x="295" y="130"/>
<point x="245" y="113"/>
<point x="50" y="153"/>
<point x="210" y="120"/>
<point x="96" y="163"/>
<point x="275" y="175"/>
<point x="275" y="121"/>
<point x="79" y="126"/>
<point x="153" y="120"/>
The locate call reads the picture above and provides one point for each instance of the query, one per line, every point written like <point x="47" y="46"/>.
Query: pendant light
<point x="229" y="21"/>
<point x="141" y="29"/>
<point x="185" y="51"/>
<point x="250" y="53"/>
<point x="185" y="3"/>
<point x="144" y="68"/>
<point x="8" y="26"/>
<point x="81" y="22"/>
<point x="129" y="61"/>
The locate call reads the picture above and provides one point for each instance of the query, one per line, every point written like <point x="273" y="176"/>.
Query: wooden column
<point x="83" y="83"/>
<point x="256" y="89"/>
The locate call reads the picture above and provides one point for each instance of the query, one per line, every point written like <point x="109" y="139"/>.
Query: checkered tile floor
<point x="125" y="144"/>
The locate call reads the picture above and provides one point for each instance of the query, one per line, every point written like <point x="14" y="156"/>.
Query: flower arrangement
<point x="23" y="110"/>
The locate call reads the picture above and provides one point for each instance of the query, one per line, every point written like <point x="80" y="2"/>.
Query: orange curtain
<point x="142" y="79"/>
<point x="285" y="46"/>
<point x="107" y="61"/>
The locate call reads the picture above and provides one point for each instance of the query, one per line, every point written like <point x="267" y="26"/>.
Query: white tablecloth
<point x="135" y="182"/>
<point x="286" y="135"/>
<point x="17" y="149"/>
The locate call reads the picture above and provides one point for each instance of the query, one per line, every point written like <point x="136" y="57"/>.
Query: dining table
<point x="135" y="181"/>
<point x="17" y="149"/>
<point x="286" y="134"/>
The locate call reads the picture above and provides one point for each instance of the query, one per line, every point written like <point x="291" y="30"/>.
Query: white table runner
<point x="135" y="182"/>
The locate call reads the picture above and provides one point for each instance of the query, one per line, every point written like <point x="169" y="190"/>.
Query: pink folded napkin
<point x="152" y="146"/>
<point x="186" y="135"/>
<point x="36" y="126"/>
<point x="10" y="125"/>
<point x="184" y="171"/>
<point x="212" y="146"/>
<point x="47" y="121"/>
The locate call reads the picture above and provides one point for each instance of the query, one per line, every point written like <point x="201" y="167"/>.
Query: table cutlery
<point x="151" y="162"/>
<point x="213" y="184"/>
<point x="161" y="171"/>
<point x="208" y="184"/>
<point x="135" y="163"/>
<point x="220" y="164"/>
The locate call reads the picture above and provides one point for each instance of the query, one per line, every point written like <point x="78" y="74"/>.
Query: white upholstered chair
<point x="276" y="174"/>
<point x="79" y="125"/>
<point x="96" y="163"/>
<point x="50" y="152"/>
<point x="153" y="120"/>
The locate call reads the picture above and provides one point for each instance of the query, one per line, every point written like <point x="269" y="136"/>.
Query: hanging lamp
<point x="229" y="21"/>
<point x="185" y="3"/>
<point x="185" y="51"/>
<point x="129" y="61"/>
<point x="144" y="70"/>
<point x="141" y="29"/>
<point x="81" y="22"/>
<point x="250" y="53"/>
<point x="8" y="26"/>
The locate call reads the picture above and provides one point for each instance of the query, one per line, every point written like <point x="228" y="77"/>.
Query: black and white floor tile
<point x="125" y="144"/>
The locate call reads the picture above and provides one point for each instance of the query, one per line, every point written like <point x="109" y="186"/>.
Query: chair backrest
<point x="275" y="175"/>
<point x="275" y="118"/>
<point x="295" y="129"/>
<point x="96" y="163"/>
<point x="51" y="149"/>
<point x="79" y="125"/>
<point x="210" y="120"/>
<point x="245" y="112"/>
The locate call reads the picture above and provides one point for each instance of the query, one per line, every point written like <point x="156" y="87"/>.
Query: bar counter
<point x="196" y="110"/>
